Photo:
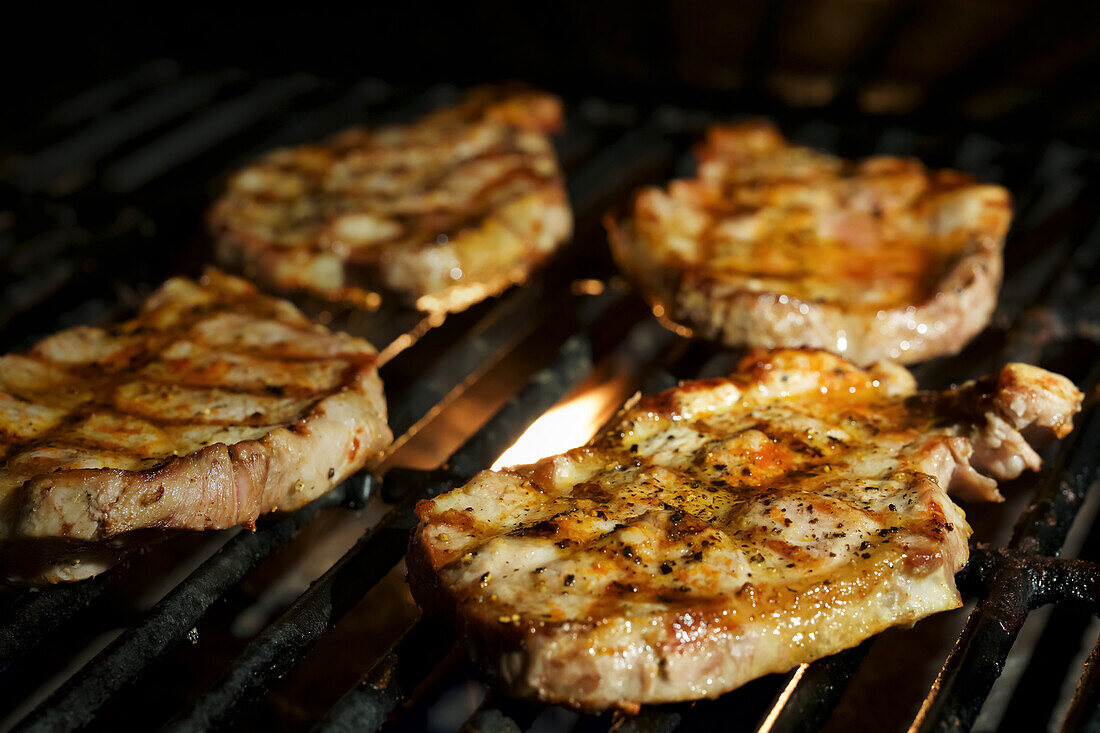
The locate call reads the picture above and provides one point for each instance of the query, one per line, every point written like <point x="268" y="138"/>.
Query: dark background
<point x="1026" y="68"/>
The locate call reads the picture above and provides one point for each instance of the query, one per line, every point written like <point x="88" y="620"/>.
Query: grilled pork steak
<point x="777" y="245"/>
<point x="213" y="406"/>
<point x="446" y="211"/>
<point x="727" y="528"/>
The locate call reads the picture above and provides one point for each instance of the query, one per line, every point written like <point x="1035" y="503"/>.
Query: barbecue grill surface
<point x="307" y="622"/>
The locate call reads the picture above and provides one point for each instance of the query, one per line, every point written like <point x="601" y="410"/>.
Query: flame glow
<point x="565" y="426"/>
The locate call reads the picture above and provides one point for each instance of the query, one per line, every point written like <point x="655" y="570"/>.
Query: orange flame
<point x="567" y="425"/>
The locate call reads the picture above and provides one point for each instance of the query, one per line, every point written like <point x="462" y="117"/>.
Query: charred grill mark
<point x="335" y="202"/>
<point x="591" y="490"/>
<point x="88" y="446"/>
<point x="544" y="529"/>
<point x="62" y="435"/>
<point x="289" y="392"/>
<point x="366" y="360"/>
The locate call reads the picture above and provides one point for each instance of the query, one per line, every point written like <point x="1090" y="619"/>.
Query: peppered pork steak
<point x="727" y="528"/>
<point x="446" y="211"/>
<point x="773" y="244"/>
<point x="213" y="406"/>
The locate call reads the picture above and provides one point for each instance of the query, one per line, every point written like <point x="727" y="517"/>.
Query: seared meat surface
<point x="727" y="528"/>
<point x="213" y="406"/>
<point x="777" y="245"/>
<point x="446" y="211"/>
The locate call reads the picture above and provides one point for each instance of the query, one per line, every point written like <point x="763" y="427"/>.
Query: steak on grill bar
<point x="446" y="211"/>
<point x="728" y="528"/>
<point x="777" y="245"/>
<point x="213" y="406"/>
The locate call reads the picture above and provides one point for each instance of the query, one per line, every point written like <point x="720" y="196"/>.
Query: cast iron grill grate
<point x="112" y="201"/>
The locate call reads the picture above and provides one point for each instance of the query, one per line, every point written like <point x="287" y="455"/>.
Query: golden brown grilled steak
<point x="777" y="245"/>
<point x="447" y="210"/>
<point x="213" y="406"/>
<point x="727" y="528"/>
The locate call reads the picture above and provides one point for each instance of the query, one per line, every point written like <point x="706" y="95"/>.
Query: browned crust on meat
<point x="726" y="528"/>
<point x="940" y="321"/>
<point x="439" y="257"/>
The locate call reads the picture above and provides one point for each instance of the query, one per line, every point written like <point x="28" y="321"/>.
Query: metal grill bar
<point x="1055" y="649"/>
<point x="1052" y="579"/>
<point x="1030" y="34"/>
<point x="36" y="615"/>
<point x="76" y="702"/>
<point x="112" y="130"/>
<point x="491" y="720"/>
<point x="64" y="282"/>
<point x="1043" y="527"/>
<point x="635" y="156"/>
<point x="872" y="60"/>
<point x="393" y="679"/>
<point x="501" y="715"/>
<point x="1014" y="589"/>
<point x="813" y="691"/>
<point x="207" y="129"/>
<point x="1084" y="711"/>
<point x="101" y="98"/>
<point x="505" y="326"/>
<point x="363" y="101"/>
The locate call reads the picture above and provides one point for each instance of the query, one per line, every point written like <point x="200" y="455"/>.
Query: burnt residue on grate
<point x="160" y="641"/>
